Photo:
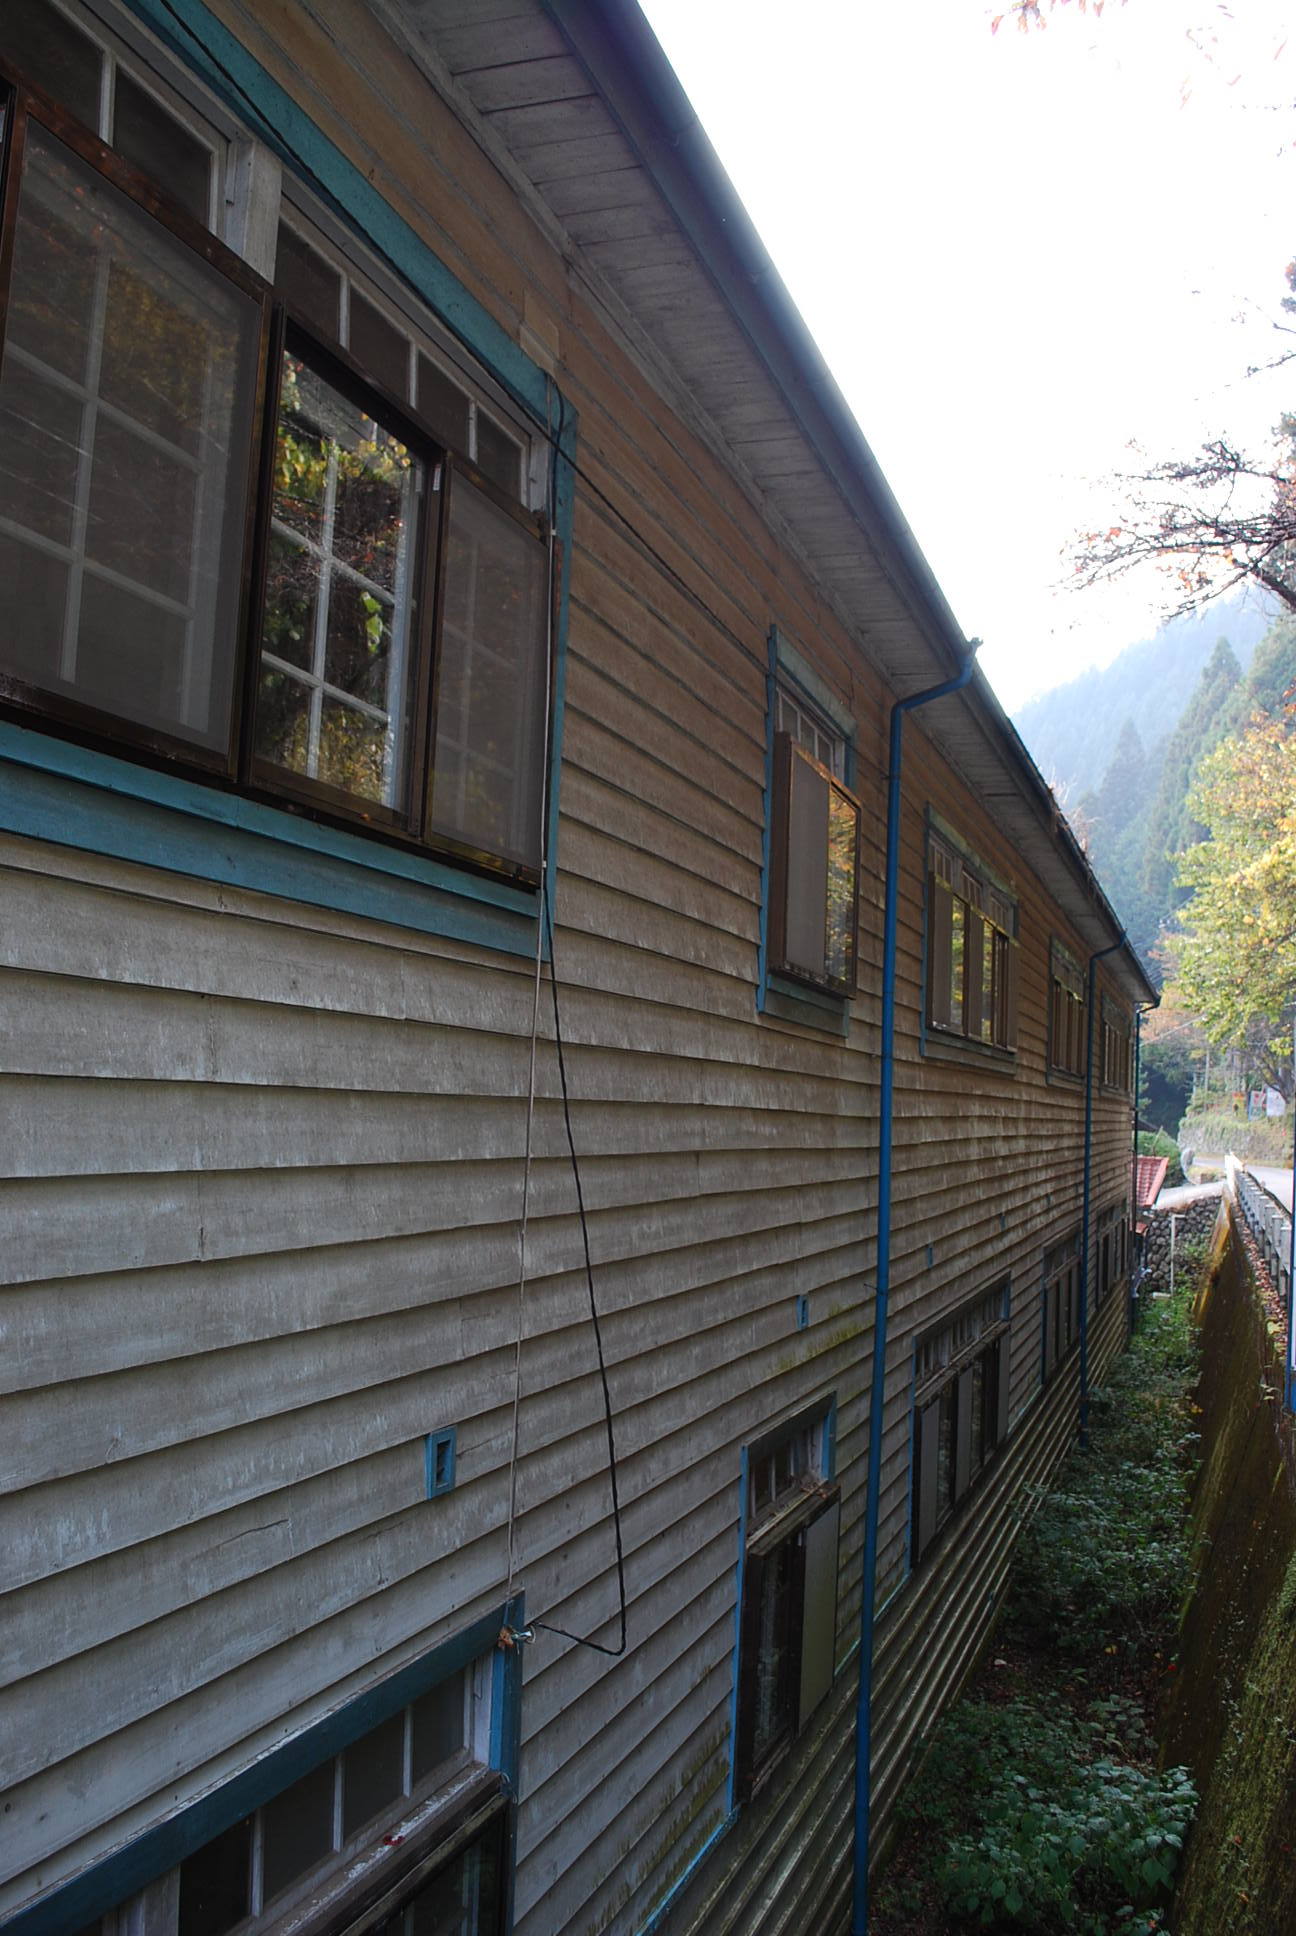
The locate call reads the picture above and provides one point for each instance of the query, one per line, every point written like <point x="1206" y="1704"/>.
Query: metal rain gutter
<point x="877" y="1401"/>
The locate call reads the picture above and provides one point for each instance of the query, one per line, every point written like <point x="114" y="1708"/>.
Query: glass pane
<point x="499" y="455"/>
<point x="438" y="1723"/>
<point x="777" y="1663"/>
<point x="442" y="404"/>
<point x="296" y="1830"/>
<point x="958" y="927"/>
<point x="488" y="777"/>
<point x="380" y="349"/>
<point x="214" y="1893"/>
<point x="54" y="54"/>
<point x="308" y="283"/>
<point x="153" y="141"/>
<point x="372" y="1774"/>
<point x="339" y="594"/>
<point x="839" y="923"/>
<point x="465" y="1898"/>
<point x="127" y="389"/>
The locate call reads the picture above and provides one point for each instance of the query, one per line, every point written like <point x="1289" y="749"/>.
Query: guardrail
<point x="1269" y="1223"/>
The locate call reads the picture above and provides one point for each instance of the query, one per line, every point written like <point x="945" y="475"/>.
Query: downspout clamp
<point x="873" y="1493"/>
<point x="1094" y="959"/>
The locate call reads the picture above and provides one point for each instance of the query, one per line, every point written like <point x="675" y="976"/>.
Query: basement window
<point x="1061" y="1302"/>
<point x="960" y="1409"/>
<point x="788" y="1619"/>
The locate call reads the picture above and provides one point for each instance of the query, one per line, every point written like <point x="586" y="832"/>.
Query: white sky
<point x="1018" y="252"/>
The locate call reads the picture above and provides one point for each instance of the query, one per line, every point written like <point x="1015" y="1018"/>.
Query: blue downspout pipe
<point x="868" y="1597"/>
<point x="1092" y="984"/>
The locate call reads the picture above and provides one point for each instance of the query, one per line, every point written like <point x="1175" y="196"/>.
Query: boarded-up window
<point x="971" y="950"/>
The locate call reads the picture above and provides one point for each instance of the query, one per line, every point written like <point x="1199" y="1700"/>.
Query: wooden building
<point x="446" y="609"/>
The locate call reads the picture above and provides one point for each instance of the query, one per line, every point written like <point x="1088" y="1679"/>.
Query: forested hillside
<point x="1142" y="728"/>
<point x="1072" y="731"/>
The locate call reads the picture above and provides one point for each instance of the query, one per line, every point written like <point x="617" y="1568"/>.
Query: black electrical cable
<point x="544" y="1626"/>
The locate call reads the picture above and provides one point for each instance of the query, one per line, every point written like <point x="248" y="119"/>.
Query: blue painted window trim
<point x="160" y="1849"/>
<point x="777" y="994"/>
<point x="824" y="1411"/>
<point x="54" y="790"/>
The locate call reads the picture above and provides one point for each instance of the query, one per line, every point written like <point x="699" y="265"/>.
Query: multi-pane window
<point x="1112" y="1259"/>
<point x="402" y="1831"/>
<point x="1117" y="1060"/>
<point x="971" y="950"/>
<point x="1068" y="1012"/>
<point x="789" y="1597"/>
<point x="345" y="601"/>
<point x="1061" y="1301"/>
<point x="960" y="1408"/>
<point x="814" y="851"/>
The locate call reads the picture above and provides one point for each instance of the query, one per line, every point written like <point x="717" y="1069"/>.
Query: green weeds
<point x="1044" y="1812"/>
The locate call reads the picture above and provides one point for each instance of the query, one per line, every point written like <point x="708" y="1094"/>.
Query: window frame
<point x="458" y="909"/>
<point x="399" y="1847"/>
<point x="1117" y="1046"/>
<point x="778" y="1533"/>
<point x="995" y="908"/>
<point x="1060" y="1298"/>
<point x="1068" y="1014"/>
<point x="945" y="1366"/>
<point x="1111" y="1249"/>
<point x="27" y="104"/>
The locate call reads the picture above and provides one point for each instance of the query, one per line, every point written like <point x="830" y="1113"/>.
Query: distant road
<point x="1277" y="1182"/>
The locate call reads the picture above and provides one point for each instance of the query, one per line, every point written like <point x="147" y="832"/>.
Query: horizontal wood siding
<point x="264" y="1171"/>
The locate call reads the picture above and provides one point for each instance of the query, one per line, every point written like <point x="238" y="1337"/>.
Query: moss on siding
<point x="1232" y="1717"/>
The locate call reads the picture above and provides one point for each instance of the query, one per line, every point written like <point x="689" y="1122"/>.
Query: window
<point x="1113" y="1249"/>
<point x="814" y="850"/>
<point x="402" y="1830"/>
<point x="1067" y="1012"/>
<point x="788" y="1622"/>
<point x="960" y="1409"/>
<point x="1117" y="1062"/>
<point x="1061" y="1301"/>
<point x="342" y="604"/>
<point x="971" y="950"/>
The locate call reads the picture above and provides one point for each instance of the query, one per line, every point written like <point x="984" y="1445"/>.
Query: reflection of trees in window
<point x="332" y="704"/>
<point x="971" y="951"/>
<point x="125" y="406"/>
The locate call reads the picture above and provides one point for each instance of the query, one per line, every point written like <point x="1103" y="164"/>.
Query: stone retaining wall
<point x="1194" y="1223"/>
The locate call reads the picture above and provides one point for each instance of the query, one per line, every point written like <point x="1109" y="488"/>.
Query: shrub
<point x="1066" y="1836"/>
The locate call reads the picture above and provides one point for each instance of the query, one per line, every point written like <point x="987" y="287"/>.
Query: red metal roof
<point x="1149" y="1175"/>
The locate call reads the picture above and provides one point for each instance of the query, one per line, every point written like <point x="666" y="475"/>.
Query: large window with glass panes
<point x="258" y="527"/>
<point x="960" y="1408"/>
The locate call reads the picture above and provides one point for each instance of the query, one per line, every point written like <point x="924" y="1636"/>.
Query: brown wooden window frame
<point x="1111" y="1250"/>
<point x="1117" y="1046"/>
<point x="1068" y="1038"/>
<point x="227" y="755"/>
<point x="1060" y="1303"/>
<point x="960" y="1409"/>
<point x="814" y="872"/>
<point x="972" y="951"/>
<point x="788" y="1610"/>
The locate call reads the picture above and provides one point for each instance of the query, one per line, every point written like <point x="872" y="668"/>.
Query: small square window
<point x="440" y="1455"/>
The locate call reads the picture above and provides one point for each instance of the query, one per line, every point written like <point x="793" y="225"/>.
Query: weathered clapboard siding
<point x="265" y="1163"/>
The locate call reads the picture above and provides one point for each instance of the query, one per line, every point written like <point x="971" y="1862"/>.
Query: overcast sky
<point x="1018" y="252"/>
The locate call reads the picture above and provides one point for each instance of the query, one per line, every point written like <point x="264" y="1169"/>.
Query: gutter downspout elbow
<point x="868" y="1597"/>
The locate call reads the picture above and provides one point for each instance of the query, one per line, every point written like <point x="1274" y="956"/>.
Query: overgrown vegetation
<point x="1159" y="1143"/>
<point x="1040" y="1807"/>
<point x="1266" y="1139"/>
